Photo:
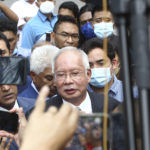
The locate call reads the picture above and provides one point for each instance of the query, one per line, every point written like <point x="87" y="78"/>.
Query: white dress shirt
<point x="15" y="106"/>
<point x="85" y="106"/>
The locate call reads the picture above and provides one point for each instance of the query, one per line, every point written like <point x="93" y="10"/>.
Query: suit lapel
<point x="55" y="101"/>
<point x="97" y="102"/>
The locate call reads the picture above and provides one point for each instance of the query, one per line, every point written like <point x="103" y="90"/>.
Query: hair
<point x="41" y="58"/>
<point x="8" y="25"/>
<point x="114" y="41"/>
<point x="85" y="8"/>
<point x="39" y="44"/>
<point x="71" y="6"/>
<point x="73" y="49"/>
<point x="65" y="19"/>
<point x="3" y="37"/>
<point x="98" y="43"/>
<point x="99" y="8"/>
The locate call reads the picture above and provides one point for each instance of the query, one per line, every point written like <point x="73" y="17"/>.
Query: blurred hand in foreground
<point x="51" y="129"/>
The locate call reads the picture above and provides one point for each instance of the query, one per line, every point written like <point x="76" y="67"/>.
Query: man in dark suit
<point x="71" y="76"/>
<point x="9" y="99"/>
<point x="40" y="71"/>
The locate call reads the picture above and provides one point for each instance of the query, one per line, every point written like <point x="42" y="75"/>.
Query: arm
<point x="9" y="13"/>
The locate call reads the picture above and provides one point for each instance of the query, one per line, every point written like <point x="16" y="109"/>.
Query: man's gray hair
<point x="41" y="58"/>
<point x="70" y="48"/>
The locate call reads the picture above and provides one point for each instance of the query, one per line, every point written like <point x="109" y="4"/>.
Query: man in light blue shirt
<point x="36" y="28"/>
<point x="101" y="64"/>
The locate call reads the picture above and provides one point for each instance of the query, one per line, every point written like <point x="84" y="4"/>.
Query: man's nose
<point x="68" y="79"/>
<point x="69" y="40"/>
<point x="5" y="87"/>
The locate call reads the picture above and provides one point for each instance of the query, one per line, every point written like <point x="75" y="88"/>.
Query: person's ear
<point x="114" y="64"/>
<point x="33" y="75"/>
<point x="53" y="38"/>
<point x="89" y="73"/>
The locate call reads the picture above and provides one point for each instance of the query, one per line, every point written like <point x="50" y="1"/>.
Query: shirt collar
<point x="114" y="87"/>
<point x="15" y="106"/>
<point x="43" y="17"/>
<point x="32" y="84"/>
<point x="85" y="106"/>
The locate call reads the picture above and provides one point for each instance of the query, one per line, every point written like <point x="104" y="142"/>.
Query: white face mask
<point x="100" y="77"/>
<point x="47" y="7"/>
<point x="103" y="29"/>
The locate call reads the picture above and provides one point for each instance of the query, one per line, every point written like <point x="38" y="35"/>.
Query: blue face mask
<point x="100" y="77"/>
<point x="103" y="29"/>
<point x="87" y="30"/>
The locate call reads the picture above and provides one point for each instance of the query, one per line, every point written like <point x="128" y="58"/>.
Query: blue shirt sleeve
<point x="28" y="37"/>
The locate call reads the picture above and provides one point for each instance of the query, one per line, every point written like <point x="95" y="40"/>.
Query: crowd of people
<point x="67" y="71"/>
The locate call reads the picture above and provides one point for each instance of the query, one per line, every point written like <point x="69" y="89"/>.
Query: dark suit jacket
<point x="97" y="102"/>
<point x="29" y="92"/>
<point x="26" y="103"/>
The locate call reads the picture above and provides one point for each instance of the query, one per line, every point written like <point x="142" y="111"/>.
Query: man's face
<point x="12" y="38"/>
<point x="98" y="59"/>
<point x="102" y="16"/>
<point x="71" y="78"/>
<point x="3" y="49"/>
<point x="44" y="78"/>
<point x="8" y="95"/>
<point x="66" y="12"/>
<point x="85" y="17"/>
<point x="67" y="34"/>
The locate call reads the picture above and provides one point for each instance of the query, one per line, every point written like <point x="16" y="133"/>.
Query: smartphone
<point x="13" y="70"/>
<point x="90" y="133"/>
<point x="48" y="36"/>
<point x="9" y="122"/>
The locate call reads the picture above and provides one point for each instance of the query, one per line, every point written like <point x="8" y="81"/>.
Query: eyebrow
<point x="50" y="75"/>
<point x="100" y="60"/>
<point x="69" y="33"/>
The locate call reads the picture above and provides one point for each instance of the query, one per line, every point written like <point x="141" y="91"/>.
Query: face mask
<point x="47" y="7"/>
<point x="100" y="77"/>
<point x="103" y="29"/>
<point x="87" y="30"/>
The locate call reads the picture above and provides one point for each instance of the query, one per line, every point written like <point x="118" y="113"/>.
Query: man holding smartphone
<point x="8" y="93"/>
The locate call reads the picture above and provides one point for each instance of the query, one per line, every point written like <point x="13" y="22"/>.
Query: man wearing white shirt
<point x="71" y="76"/>
<point x="25" y="10"/>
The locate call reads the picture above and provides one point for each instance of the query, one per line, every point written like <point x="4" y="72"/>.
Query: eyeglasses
<point x="74" y="75"/>
<point x="74" y="37"/>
